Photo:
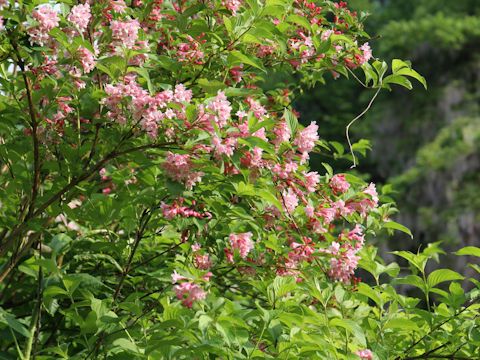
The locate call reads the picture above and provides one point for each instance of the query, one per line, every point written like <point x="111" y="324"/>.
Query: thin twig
<point x="358" y="117"/>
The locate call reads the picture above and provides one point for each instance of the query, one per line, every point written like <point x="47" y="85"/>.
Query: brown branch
<point x="34" y="126"/>
<point x="31" y="239"/>
<point x="86" y="176"/>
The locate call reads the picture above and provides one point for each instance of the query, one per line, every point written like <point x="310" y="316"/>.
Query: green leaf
<point x="394" y="225"/>
<point x="469" y="250"/>
<point x="126" y="344"/>
<point x="268" y="196"/>
<point x="283" y="285"/>
<point x="299" y="20"/>
<point x="292" y="122"/>
<point x="236" y="58"/>
<point x="400" y="67"/>
<point x="16" y="325"/>
<point x="328" y="168"/>
<point x="401" y="323"/>
<point x="352" y="326"/>
<point x="143" y="73"/>
<point x="411" y="280"/>
<point x="442" y="275"/>
<point x="397" y="79"/>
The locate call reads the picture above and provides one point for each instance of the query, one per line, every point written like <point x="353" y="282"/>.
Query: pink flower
<point x="311" y="180"/>
<point x="364" y="354"/>
<point x="87" y="59"/>
<point x="282" y="132"/>
<point x="242" y="242"/>
<point x="48" y="19"/>
<point x="326" y="34"/>
<point x="176" y="276"/>
<point x="80" y="16"/>
<point x="339" y="184"/>
<point x="232" y="5"/>
<point x="367" y="54"/>
<point x="126" y="32"/>
<point x="290" y="200"/>
<point x="222" y="108"/>
<point x="182" y="94"/>
<point x="179" y="167"/>
<point x="203" y="262"/>
<point x="372" y="191"/>
<point x="118" y="6"/>
<point x="236" y="74"/>
<point x="306" y="138"/>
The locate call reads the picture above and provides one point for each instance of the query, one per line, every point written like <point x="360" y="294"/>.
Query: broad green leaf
<point x="401" y="323"/>
<point x="398" y="79"/>
<point x="352" y="326"/>
<point x="442" y="275"/>
<point x="418" y="260"/>
<point x="469" y="250"/>
<point x="394" y="225"/>
<point x="126" y="344"/>
<point x="236" y="58"/>
<point x="271" y="198"/>
<point x="411" y="280"/>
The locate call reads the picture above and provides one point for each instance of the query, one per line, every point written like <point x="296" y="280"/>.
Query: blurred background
<point x="426" y="144"/>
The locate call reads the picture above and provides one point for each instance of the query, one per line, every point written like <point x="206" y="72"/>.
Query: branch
<point x="358" y="117"/>
<point x="34" y="126"/>
<point x="145" y="218"/>
<point x="438" y="327"/>
<point x="86" y="176"/>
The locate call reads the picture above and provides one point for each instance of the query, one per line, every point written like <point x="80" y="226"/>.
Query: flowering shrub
<point x="157" y="200"/>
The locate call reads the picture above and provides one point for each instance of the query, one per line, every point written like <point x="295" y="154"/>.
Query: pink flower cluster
<point x="188" y="52"/>
<point x="366" y="203"/>
<point x="144" y="107"/>
<point x="282" y="133"/>
<point x="232" y="5"/>
<point x="202" y="262"/>
<point x="339" y="184"/>
<point x="305" y="140"/>
<point x="221" y="109"/>
<point x="125" y="31"/>
<point x="345" y="260"/>
<point x="366" y="54"/>
<point x="171" y="211"/>
<point x="80" y="16"/>
<point x="193" y="291"/>
<point x="179" y="167"/>
<point x="242" y="242"/>
<point x="364" y="354"/>
<point x="48" y="19"/>
<point x="118" y="6"/>
<point x="87" y="59"/>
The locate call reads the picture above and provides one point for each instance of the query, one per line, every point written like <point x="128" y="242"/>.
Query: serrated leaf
<point x="292" y="122"/>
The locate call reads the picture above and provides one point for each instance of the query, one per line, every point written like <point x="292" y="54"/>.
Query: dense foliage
<point x="157" y="200"/>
